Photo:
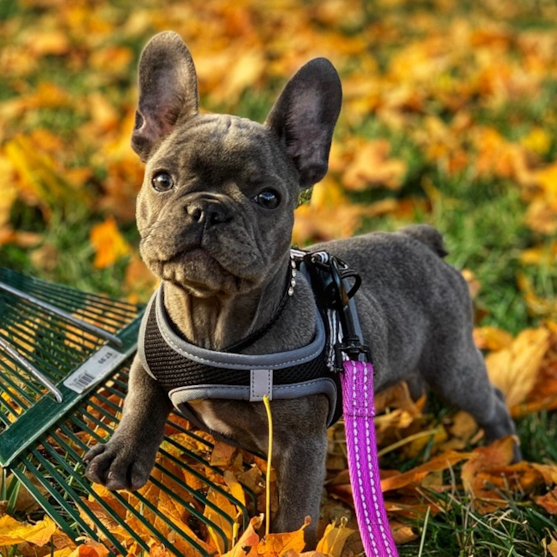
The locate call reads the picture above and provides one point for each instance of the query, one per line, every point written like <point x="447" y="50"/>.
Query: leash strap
<point x="363" y="464"/>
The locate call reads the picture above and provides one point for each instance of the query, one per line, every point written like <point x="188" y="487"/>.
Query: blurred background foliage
<point x="448" y="118"/>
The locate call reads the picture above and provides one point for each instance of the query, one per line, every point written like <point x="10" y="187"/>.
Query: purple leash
<point x="363" y="464"/>
<point x="338" y="284"/>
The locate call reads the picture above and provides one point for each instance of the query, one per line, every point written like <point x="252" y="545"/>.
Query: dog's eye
<point x="162" y="181"/>
<point x="267" y="199"/>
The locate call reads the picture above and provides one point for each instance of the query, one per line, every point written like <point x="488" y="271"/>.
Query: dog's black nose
<point x="208" y="212"/>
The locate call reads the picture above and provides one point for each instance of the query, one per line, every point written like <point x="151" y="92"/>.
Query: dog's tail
<point x="429" y="236"/>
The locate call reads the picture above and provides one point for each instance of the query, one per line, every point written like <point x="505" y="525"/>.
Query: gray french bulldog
<point x="215" y="215"/>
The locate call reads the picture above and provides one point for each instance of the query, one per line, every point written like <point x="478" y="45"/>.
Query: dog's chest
<point x="205" y="411"/>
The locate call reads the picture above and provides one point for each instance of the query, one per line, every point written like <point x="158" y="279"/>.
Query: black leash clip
<point x="341" y="301"/>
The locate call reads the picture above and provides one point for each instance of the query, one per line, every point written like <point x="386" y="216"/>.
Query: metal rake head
<point x="64" y="362"/>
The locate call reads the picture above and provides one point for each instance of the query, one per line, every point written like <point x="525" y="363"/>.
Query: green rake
<point x="64" y="364"/>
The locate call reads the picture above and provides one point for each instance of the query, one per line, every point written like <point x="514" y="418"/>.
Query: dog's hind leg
<point x="460" y="376"/>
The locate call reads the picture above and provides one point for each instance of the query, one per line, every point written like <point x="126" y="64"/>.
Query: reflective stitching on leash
<point x="362" y="500"/>
<point x="371" y="459"/>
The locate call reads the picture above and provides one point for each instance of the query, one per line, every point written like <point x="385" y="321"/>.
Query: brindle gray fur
<point x="223" y="260"/>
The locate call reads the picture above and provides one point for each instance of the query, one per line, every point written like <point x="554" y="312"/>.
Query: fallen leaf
<point x="514" y="369"/>
<point x="372" y="167"/>
<point x="223" y="514"/>
<point x="416" y="475"/>
<point x="48" y="42"/>
<point x="463" y="426"/>
<point x="398" y="396"/>
<point x="222" y="454"/>
<point x="489" y="477"/>
<point x="492" y="338"/>
<point x="13" y="532"/>
<point x="334" y="538"/>
<point x="552" y="547"/>
<point x="88" y="548"/>
<point x="277" y="545"/>
<point x="402" y="533"/>
<point x="108" y="243"/>
<point x="548" y="501"/>
<point x="247" y="544"/>
<point x="234" y="486"/>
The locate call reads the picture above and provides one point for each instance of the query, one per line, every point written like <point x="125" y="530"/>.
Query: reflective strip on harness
<point x="261" y="384"/>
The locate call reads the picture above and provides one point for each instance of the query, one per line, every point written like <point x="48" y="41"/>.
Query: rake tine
<point x="97" y="331"/>
<point x="11" y="351"/>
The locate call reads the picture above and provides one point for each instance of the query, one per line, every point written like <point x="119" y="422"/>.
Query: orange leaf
<point x="489" y="475"/>
<point x="89" y="548"/>
<point x="13" y="532"/>
<point x="247" y="544"/>
<point x="108" y="243"/>
<point x="397" y="396"/>
<point x="234" y="486"/>
<point x="44" y="42"/>
<point x="277" y="545"/>
<point x="463" y="426"/>
<point x="223" y="516"/>
<point x="372" y="167"/>
<point x="514" y="369"/>
<point x="492" y="338"/>
<point x="402" y="533"/>
<point x="334" y="538"/>
<point x="222" y="454"/>
<point x="548" y="501"/>
<point x="441" y="462"/>
<point x="552" y="548"/>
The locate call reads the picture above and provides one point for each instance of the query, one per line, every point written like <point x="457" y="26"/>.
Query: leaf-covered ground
<point x="449" y="118"/>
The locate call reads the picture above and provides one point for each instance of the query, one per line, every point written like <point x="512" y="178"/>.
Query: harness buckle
<point x="351" y="345"/>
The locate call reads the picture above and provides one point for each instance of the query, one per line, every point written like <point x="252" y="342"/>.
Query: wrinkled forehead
<point x="222" y="146"/>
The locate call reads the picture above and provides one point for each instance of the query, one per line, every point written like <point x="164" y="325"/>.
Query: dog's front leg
<point x="300" y="475"/>
<point x="126" y="461"/>
<point x="299" y="458"/>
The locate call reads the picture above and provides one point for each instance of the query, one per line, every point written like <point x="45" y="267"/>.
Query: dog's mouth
<point x="201" y="273"/>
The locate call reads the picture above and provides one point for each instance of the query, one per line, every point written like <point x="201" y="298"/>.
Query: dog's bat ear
<point x="304" y="118"/>
<point x="167" y="91"/>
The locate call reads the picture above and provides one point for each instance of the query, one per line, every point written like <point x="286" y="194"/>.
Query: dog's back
<point x="412" y="304"/>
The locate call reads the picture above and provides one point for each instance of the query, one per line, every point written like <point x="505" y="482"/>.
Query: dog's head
<point x="215" y="211"/>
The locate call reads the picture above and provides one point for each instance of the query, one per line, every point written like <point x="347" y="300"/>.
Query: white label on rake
<point x="96" y="368"/>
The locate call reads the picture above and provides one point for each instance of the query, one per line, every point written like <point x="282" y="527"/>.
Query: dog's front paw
<point x="116" y="466"/>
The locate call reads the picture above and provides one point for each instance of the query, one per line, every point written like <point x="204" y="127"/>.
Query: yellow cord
<point x="267" y="404"/>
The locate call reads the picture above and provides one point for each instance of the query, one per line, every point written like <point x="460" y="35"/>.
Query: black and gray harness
<point x="189" y="373"/>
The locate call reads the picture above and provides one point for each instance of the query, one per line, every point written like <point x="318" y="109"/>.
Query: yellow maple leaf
<point x="109" y="244"/>
<point x="13" y="532"/>
<point x="334" y="538"/>
<point x="514" y="369"/>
